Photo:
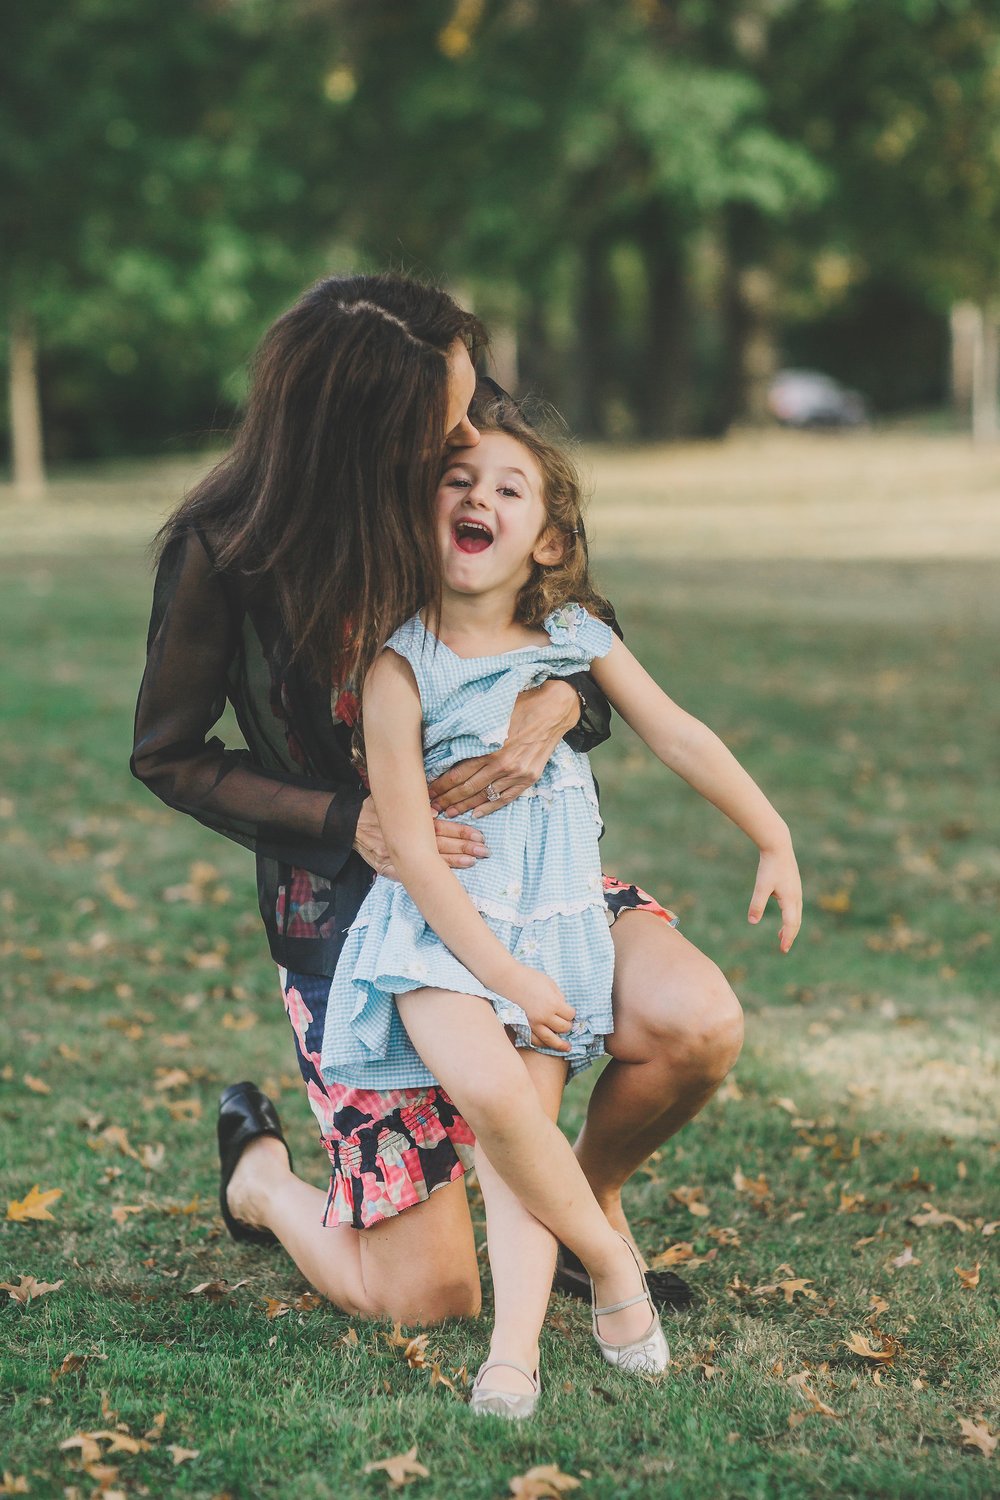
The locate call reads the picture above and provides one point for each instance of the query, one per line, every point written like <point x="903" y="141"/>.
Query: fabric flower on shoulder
<point x="564" y="623"/>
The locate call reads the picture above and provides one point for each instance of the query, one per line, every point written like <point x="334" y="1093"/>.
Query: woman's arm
<point x="690" y="748"/>
<point x="393" y="752"/>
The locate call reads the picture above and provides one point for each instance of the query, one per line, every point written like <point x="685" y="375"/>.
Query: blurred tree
<point x="159" y="191"/>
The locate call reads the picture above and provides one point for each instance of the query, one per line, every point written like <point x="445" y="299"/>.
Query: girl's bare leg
<point x="465" y="1048"/>
<point x="418" y="1267"/>
<point x="522" y="1251"/>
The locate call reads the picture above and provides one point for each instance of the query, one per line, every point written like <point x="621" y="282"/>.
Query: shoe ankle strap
<point x="506" y="1364"/>
<point x="600" y="1312"/>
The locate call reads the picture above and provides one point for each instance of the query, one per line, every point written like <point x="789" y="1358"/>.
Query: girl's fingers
<point x="758" y="902"/>
<point x="543" y="1036"/>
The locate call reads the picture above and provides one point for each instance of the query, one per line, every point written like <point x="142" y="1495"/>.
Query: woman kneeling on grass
<point x="441" y="973"/>
<point x="279" y="579"/>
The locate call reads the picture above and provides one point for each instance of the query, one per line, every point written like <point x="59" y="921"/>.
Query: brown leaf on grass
<point x="914" y="1184"/>
<point x="171" y="1078"/>
<point x="858" y="1344"/>
<point x="726" y="1238"/>
<point x="673" y="1255"/>
<point x="991" y="1228"/>
<point x="155" y="1432"/>
<point x="71" y="1363"/>
<point x="215" y="1290"/>
<point x="543" y="1482"/>
<point x="797" y="1284"/>
<point x="181" y="1455"/>
<point x="691" y="1199"/>
<point x="816" y="1408"/>
<point x="838" y="902"/>
<point x="275" y="1308"/>
<point x="969" y="1278"/>
<point x="122" y="899"/>
<point x="36" y="1085"/>
<point x="757" y="1187"/>
<point x="27" y="1288"/>
<point x="414" y="1349"/>
<point x="308" y="1302"/>
<point x="113" y="1135"/>
<point x="878" y="1306"/>
<point x="439" y="1378"/>
<point x="399" y="1469"/>
<point x="35" y="1205"/>
<point x="932" y="1217"/>
<point x="184" y="1109"/>
<point x="121" y="1211"/>
<point x="151" y="1156"/>
<point x="14" y="1484"/>
<point x="349" y="1339"/>
<point x="905" y="1257"/>
<point x="850" y="1203"/>
<point x="239" y="1023"/>
<point x="978" y="1435"/>
<point x="90" y="1448"/>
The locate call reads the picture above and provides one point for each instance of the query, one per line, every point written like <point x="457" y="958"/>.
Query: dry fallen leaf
<point x="308" y="1302"/>
<point x="691" y="1199"/>
<point x="275" y="1308"/>
<point x="399" y="1469"/>
<point x="969" y="1278"/>
<point x="35" y="1205"/>
<point x="121" y="1211"/>
<point x="543" y="1482"/>
<point x="933" y="1217"/>
<point x="978" y="1435"/>
<point x="171" y="1078"/>
<point x="90" y="1448"/>
<point x="184" y="1109"/>
<point x="28" y="1288"/>
<point x="181" y="1455"/>
<point x="798" y="1284"/>
<point x="214" y="1290"/>
<point x="36" y="1085"/>
<point x="14" y="1484"/>
<point x="858" y="1344"/>
<point x="674" y="1255"/>
<point x="992" y="1227"/>
<point x="757" y="1187"/>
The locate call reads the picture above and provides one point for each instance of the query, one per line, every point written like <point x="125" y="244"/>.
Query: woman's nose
<point x="463" y="436"/>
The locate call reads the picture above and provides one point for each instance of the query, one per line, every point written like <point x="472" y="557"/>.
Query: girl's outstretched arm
<point x="690" y="748"/>
<point x="394" y="755"/>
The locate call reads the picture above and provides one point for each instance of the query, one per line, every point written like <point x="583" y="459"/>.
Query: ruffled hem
<point x="401" y="1179"/>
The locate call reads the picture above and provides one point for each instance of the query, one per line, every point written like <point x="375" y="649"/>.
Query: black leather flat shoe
<point x="244" y="1114"/>
<point x="669" y="1292"/>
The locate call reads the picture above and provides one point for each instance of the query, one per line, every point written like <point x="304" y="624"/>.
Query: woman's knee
<point x="693" y="1019"/>
<point x="449" y="1292"/>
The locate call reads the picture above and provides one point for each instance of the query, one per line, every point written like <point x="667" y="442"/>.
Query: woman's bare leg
<point x="522" y="1251"/>
<point x="466" y="1049"/>
<point x="419" y="1266"/>
<point x="678" y="1031"/>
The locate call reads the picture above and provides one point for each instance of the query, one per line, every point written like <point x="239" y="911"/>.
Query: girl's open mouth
<point x="472" y="536"/>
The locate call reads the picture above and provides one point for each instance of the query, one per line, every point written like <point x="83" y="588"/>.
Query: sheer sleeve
<point x="194" y="636"/>
<point x="594" y="724"/>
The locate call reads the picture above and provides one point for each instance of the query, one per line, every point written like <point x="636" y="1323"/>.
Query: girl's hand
<point x="540" y="719"/>
<point x="548" y="1011"/>
<point x="457" y="845"/>
<point x="778" y="876"/>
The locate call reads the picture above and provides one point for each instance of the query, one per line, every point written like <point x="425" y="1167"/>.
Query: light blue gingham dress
<point x="540" y="891"/>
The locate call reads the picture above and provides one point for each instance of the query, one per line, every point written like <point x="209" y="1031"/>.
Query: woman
<point x="279" y="577"/>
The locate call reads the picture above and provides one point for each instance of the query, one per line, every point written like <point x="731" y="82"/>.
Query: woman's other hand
<point x="458" y="845"/>
<point x="778" y="876"/>
<point x="540" y="719"/>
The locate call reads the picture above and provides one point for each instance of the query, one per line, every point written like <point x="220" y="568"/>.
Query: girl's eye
<point x="508" y="489"/>
<point x="456" y="482"/>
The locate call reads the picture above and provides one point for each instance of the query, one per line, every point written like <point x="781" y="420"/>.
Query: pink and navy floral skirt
<point x="390" y="1149"/>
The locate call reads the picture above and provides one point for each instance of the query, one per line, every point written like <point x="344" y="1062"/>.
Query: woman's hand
<point x="778" y="876"/>
<point x="548" y="1011"/>
<point x="540" y="719"/>
<point x="457" y="845"/>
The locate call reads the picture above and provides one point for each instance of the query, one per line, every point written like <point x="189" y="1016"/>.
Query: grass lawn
<point x="839" y="1196"/>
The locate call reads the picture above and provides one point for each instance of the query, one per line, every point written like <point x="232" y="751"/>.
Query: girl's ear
<point x="550" y="548"/>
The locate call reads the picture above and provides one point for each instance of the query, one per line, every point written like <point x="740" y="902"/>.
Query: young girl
<point x="526" y="930"/>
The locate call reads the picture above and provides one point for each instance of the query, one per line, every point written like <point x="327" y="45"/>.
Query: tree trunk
<point x="986" y="376"/>
<point x="966" y="333"/>
<point x="25" y="411"/>
<point x="595" y="355"/>
<point x="663" y="396"/>
<point x="540" y="369"/>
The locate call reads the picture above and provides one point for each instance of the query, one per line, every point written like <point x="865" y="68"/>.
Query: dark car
<point x="807" y="398"/>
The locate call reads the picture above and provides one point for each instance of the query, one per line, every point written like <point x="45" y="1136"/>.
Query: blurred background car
<point x="808" y="398"/>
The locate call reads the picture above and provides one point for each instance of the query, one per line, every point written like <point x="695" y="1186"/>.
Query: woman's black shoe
<point x="244" y="1114"/>
<point x="670" y="1293"/>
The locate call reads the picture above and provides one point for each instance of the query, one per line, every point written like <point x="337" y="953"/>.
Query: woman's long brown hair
<point x="327" y="493"/>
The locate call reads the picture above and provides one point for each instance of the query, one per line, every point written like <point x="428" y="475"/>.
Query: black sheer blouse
<point x="293" y="795"/>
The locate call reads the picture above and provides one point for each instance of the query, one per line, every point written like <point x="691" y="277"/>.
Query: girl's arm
<point x="394" y="757"/>
<point x="689" y="748"/>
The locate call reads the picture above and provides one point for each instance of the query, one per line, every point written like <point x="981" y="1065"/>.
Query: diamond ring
<point x="492" y="795"/>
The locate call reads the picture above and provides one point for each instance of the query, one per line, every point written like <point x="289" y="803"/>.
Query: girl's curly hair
<point x="568" y="580"/>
